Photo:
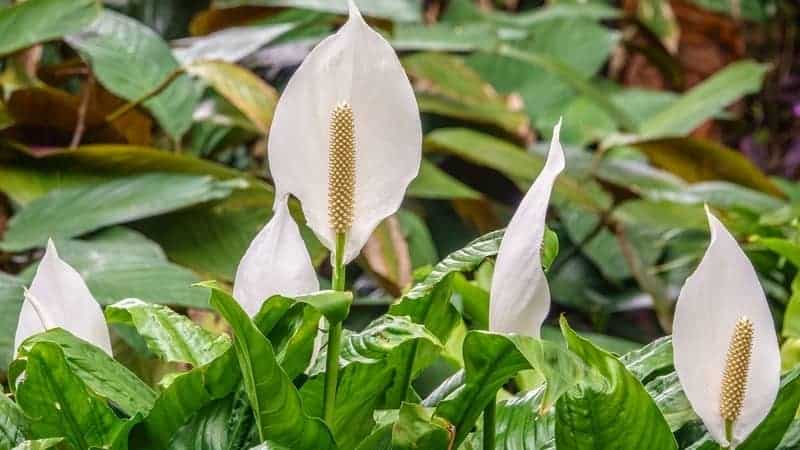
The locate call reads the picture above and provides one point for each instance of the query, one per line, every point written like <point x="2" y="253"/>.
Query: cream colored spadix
<point x="351" y="82"/>
<point x="520" y="295"/>
<point x="277" y="262"/>
<point x="725" y="345"/>
<point x="59" y="298"/>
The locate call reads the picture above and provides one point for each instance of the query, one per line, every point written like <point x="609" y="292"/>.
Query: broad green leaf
<point x="249" y="93"/>
<point x="275" y="401"/>
<point x="12" y="423"/>
<point x="34" y="21"/>
<point x="791" y="440"/>
<point x="791" y="318"/>
<point x="231" y="44"/>
<point x="171" y="336"/>
<point x="705" y="100"/>
<point x="119" y="263"/>
<point x="783" y="247"/>
<point x="26" y="176"/>
<point x="39" y="444"/>
<point x="434" y="183"/>
<point x="492" y="359"/>
<point x="102" y="375"/>
<point x="185" y="395"/>
<point x="653" y="358"/>
<point x="697" y="160"/>
<point x="446" y="86"/>
<point x="371" y="362"/>
<point x="514" y="162"/>
<point x="399" y="10"/>
<point x="225" y="424"/>
<point x="417" y="428"/>
<point x="10" y="303"/>
<point x="59" y="404"/>
<point x="72" y="212"/>
<point x="444" y="37"/>
<point x="133" y="62"/>
<point x="588" y="418"/>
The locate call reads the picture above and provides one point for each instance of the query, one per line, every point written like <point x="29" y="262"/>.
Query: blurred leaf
<point x="11" y="296"/>
<point x="705" y="100"/>
<point x="443" y="37"/>
<point x="398" y="10"/>
<point x="370" y="363"/>
<point x="747" y="9"/>
<point x="700" y="160"/>
<point x="169" y="335"/>
<point x="387" y="256"/>
<point x="132" y="61"/>
<point x="34" y="21"/>
<point x="12" y="423"/>
<point x="45" y="107"/>
<point x="448" y="87"/>
<point x="71" y="212"/>
<point x="285" y="423"/>
<point x="512" y="161"/>
<point x="39" y="444"/>
<point x="417" y="428"/>
<point x="421" y="246"/>
<point x="255" y="98"/>
<point x="102" y="375"/>
<point x="434" y="183"/>
<point x="229" y="45"/>
<point x="588" y="418"/>
<point x="82" y="418"/>
<point x="119" y="263"/>
<point x="791" y="318"/>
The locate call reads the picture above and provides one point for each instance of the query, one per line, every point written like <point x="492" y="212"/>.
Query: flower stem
<point x="729" y="435"/>
<point x="334" y="335"/>
<point x="489" y="415"/>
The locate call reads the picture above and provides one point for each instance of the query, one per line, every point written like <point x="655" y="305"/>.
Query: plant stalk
<point x="729" y="435"/>
<point x="489" y="418"/>
<point x="334" y="335"/>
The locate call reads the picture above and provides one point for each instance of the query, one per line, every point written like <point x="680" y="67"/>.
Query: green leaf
<point x="370" y="363"/>
<point x="224" y="424"/>
<point x="28" y="23"/>
<point x="588" y="417"/>
<point x="791" y="440"/>
<point x="434" y="183"/>
<point x="791" y="318"/>
<point x="242" y="88"/>
<point x="275" y="401"/>
<point x="39" y="444"/>
<point x="705" y="100"/>
<point x="769" y="432"/>
<point x="133" y="62"/>
<point x="119" y="263"/>
<point x="72" y="212"/>
<point x="514" y="162"/>
<point x="12" y="423"/>
<point x="101" y="374"/>
<point x="11" y="296"/>
<point x="399" y="10"/>
<point x="492" y="359"/>
<point x="417" y="428"/>
<point x="61" y="405"/>
<point x="171" y="336"/>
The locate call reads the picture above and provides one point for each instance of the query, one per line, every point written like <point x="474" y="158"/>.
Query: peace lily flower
<point x="277" y="262"/>
<point x="726" y="349"/>
<point x="346" y="136"/>
<point x="520" y="295"/>
<point x="59" y="298"/>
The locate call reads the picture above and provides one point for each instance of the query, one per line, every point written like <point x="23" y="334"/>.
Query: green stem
<point x="729" y="435"/>
<point x="489" y="418"/>
<point x="334" y="336"/>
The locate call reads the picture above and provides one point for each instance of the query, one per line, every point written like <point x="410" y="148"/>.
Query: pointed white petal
<point x="59" y="297"/>
<point x="723" y="288"/>
<point x="358" y="66"/>
<point x="520" y="297"/>
<point x="277" y="262"/>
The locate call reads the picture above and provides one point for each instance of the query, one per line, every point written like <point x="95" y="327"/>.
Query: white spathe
<point x="723" y="288"/>
<point x="59" y="298"/>
<point x="356" y="65"/>
<point x="277" y="262"/>
<point x="520" y="296"/>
